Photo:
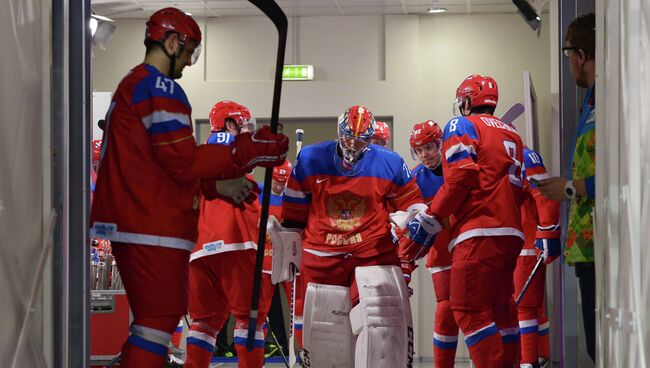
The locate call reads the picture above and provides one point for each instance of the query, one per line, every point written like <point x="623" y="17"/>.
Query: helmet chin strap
<point x="172" y="59"/>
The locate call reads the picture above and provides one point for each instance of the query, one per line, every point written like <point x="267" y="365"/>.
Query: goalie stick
<point x="292" y="324"/>
<point x="529" y="280"/>
<point x="279" y="19"/>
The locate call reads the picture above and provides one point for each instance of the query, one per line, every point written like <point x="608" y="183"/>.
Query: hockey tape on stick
<point x="540" y="258"/>
<point x="513" y="113"/>
<point x="279" y="19"/>
<point x="299" y="135"/>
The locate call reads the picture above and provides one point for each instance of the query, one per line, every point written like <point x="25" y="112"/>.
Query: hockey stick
<point x="530" y="279"/>
<point x="513" y="113"/>
<point x="273" y="11"/>
<point x="292" y="332"/>
<point x="277" y="342"/>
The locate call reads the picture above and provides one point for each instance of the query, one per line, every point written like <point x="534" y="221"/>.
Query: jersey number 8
<point x="515" y="172"/>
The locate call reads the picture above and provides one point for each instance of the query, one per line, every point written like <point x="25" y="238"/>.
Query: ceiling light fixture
<point x="528" y="13"/>
<point x="436" y="10"/>
<point x="101" y="30"/>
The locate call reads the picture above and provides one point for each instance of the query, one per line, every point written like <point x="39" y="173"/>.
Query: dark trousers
<point x="585" y="272"/>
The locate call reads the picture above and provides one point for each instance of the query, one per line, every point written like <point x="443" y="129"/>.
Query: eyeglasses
<point x="566" y="51"/>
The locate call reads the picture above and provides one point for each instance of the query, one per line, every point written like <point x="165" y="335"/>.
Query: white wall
<point x="24" y="178"/>
<point x="407" y="67"/>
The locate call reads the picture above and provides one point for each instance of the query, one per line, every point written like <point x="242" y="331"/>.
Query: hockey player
<point x="381" y="137"/>
<point x="223" y="260"/>
<point x="540" y="219"/>
<point x="483" y="189"/>
<point x="426" y="144"/>
<point x="147" y="193"/>
<point x="339" y="192"/>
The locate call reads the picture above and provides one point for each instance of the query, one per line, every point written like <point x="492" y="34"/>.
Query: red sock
<point x="146" y="347"/>
<point x="543" y="347"/>
<point x="528" y="325"/>
<point x="201" y="340"/>
<point x="445" y="336"/>
<point x="177" y="335"/>
<point x="248" y="359"/>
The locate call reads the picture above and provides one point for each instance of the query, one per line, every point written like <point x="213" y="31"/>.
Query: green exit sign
<point x="298" y="72"/>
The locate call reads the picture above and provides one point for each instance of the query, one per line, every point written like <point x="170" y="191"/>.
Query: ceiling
<point x="138" y="9"/>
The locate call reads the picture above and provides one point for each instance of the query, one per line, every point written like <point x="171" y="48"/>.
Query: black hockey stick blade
<point x="279" y="19"/>
<point x="530" y="279"/>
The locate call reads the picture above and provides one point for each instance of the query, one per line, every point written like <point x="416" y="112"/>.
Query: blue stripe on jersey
<point x="461" y="155"/>
<point x="445" y="345"/>
<point x="156" y="84"/>
<point x="378" y="162"/>
<point x="276" y="200"/>
<point x="167" y="126"/>
<point x="152" y="347"/>
<point x="476" y="337"/>
<point x="459" y="126"/>
<point x="200" y="343"/>
<point x="220" y="138"/>
<point x="428" y="182"/>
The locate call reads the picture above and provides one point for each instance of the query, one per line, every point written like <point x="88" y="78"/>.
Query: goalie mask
<point x="426" y="143"/>
<point x="239" y="114"/>
<point x="355" y="129"/>
<point x="476" y="90"/>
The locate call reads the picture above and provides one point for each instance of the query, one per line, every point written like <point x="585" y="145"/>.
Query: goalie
<point x="339" y="192"/>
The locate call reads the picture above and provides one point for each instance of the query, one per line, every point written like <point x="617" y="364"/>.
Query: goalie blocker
<point x="382" y="320"/>
<point x="287" y="251"/>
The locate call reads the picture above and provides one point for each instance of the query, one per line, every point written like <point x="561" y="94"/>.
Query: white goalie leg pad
<point x="382" y="319"/>
<point x="287" y="251"/>
<point x="327" y="337"/>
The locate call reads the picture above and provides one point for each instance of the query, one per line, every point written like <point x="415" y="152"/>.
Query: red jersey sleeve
<point x="459" y="166"/>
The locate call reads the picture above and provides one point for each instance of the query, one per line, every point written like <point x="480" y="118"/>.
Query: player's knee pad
<point x="382" y="319"/>
<point x="327" y="335"/>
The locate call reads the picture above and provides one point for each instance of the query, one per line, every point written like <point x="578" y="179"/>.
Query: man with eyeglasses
<point x="580" y="187"/>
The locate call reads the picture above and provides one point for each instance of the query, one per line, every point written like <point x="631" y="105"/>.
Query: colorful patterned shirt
<point x="580" y="239"/>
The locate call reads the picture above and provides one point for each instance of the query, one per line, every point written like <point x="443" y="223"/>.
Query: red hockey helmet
<point x="355" y="129"/>
<point x="426" y="136"/>
<point x="480" y="90"/>
<point x="97" y="152"/>
<point x="281" y="173"/>
<point x="382" y="132"/>
<point x="225" y="109"/>
<point x="174" y="20"/>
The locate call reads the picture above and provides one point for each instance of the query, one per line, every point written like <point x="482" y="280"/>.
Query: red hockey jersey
<point x="483" y="185"/>
<point x="224" y="226"/>
<point x="347" y="213"/>
<point x="537" y="210"/>
<point x="147" y="189"/>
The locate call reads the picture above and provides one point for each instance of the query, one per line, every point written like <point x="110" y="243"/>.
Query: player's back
<point x="484" y="143"/>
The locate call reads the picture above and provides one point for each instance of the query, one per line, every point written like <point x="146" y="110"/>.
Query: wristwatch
<point x="570" y="190"/>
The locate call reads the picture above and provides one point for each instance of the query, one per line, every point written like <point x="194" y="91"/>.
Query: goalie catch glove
<point x="548" y="242"/>
<point x="422" y="231"/>
<point x="260" y="148"/>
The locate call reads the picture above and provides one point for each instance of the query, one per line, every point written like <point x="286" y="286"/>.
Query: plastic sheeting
<point x="623" y="182"/>
<point x="24" y="173"/>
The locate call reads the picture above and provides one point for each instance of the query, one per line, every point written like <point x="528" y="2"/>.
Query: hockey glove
<point x="236" y="190"/>
<point x="548" y="242"/>
<point x="260" y="148"/>
<point x="422" y="231"/>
